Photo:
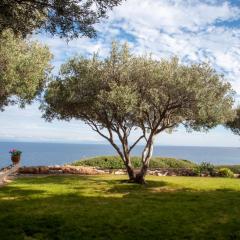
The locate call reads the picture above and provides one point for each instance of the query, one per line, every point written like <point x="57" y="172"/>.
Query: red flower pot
<point x="16" y="159"/>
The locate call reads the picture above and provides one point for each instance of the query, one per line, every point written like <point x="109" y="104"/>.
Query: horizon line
<point x="104" y="143"/>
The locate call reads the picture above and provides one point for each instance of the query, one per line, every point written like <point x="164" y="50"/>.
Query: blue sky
<point x="194" y="30"/>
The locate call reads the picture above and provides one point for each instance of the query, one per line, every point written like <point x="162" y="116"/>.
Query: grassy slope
<point x="114" y="162"/>
<point x="104" y="207"/>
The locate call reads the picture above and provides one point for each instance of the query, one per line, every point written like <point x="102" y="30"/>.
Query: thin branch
<point x="144" y="130"/>
<point x="134" y="144"/>
<point x="95" y="128"/>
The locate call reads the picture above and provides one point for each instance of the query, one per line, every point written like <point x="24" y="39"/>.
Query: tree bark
<point x="146" y="157"/>
<point x="126" y="157"/>
<point x="131" y="172"/>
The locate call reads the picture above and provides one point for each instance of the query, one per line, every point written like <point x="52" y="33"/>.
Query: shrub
<point x="233" y="168"/>
<point x="114" y="162"/>
<point x="225" y="172"/>
<point x="206" y="169"/>
<point x="196" y="171"/>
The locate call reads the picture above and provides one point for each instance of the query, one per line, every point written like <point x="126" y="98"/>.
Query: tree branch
<point x="95" y="128"/>
<point x="134" y="144"/>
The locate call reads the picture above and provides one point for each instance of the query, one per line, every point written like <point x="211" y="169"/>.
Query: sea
<point x="38" y="154"/>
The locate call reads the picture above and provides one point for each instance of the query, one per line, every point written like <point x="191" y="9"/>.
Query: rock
<point x="43" y="170"/>
<point x="66" y="170"/>
<point x="99" y="171"/>
<point x="55" y="167"/>
<point x="55" y="171"/>
<point x="119" y="172"/>
<point x="27" y="170"/>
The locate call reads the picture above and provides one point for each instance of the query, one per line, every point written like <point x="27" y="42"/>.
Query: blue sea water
<point x="35" y="154"/>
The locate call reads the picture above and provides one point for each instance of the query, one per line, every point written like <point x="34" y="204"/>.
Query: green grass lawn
<point x="106" y="207"/>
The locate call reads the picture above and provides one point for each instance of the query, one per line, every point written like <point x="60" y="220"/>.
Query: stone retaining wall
<point x="68" y="169"/>
<point x="58" y="170"/>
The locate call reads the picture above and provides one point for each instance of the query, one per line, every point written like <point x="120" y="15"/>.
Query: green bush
<point x="115" y="162"/>
<point x="206" y="169"/>
<point x="225" y="172"/>
<point x="233" y="168"/>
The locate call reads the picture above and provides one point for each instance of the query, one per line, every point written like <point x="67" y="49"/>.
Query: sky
<point x="193" y="30"/>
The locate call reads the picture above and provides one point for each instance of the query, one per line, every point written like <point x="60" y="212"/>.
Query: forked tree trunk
<point x="146" y="157"/>
<point x="134" y="176"/>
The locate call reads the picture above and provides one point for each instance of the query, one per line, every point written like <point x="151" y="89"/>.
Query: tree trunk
<point x="146" y="157"/>
<point x="127" y="161"/>
<point x="131" y="172"/>
<point x="140" y="176"/>
<point x="137" y="177"/>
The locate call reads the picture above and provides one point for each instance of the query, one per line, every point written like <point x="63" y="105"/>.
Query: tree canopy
<point x="65" y="18"/>
<point x="124" y="92"/>
<point x="24" y="67"/>
<point x="234" y="124"/>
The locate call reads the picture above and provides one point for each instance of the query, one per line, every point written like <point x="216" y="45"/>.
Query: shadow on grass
<point x="47" y="179"/>
<point x="121" y="211"/>
<point x="19" y="191"/>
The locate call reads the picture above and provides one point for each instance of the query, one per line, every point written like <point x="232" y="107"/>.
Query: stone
<point x="43" y="170"/>
<point x="66" y="170"/>
<point x="119" y="172"/>
<point x="53" y="171"/>
<point x="99" y="171"/>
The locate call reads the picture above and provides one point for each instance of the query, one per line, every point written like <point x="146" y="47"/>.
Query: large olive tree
<point x="65" y="18"/>
<point x="24" y="68"/>
<point x="123" y="92"/>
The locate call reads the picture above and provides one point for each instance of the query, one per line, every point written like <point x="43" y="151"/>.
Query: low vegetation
<point x="225" y="172"/>
<point x="202" y="169"/>
<point x="234" y="168"/>
<point x="205" y="168"/>
<point x="106" y="207"/>
<point x="115" y="162"/>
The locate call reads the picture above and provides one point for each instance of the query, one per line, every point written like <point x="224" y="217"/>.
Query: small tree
<point x="124" y="92"/>
<point x="234" y="124"/>
<point x="65" y="18"/>
<point x="24" y="67"/>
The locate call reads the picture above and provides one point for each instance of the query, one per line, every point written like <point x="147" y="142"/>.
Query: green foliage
<point x="233" y="168"/>
<point x="206" y="169"/>
<point x="65" y="18"/>
<point x="131" y="90"/>
<point x="15" y="152"/>
<point x="234" y="124"/>
<point x="24" y="68"/>
<point x="225" y="172"/>
<point x="106" y="207"/>
<point x="115" y="162"/>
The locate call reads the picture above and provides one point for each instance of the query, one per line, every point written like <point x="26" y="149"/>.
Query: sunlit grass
<point x="107" y="207"/>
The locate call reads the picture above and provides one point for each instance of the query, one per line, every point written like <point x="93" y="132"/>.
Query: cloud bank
<point x="194" y="30"/>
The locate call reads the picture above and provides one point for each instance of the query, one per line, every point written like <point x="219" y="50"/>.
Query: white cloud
<point x="184" y="28"/>
<point x="172" y="15"/>
<point x="192" y="29"/>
